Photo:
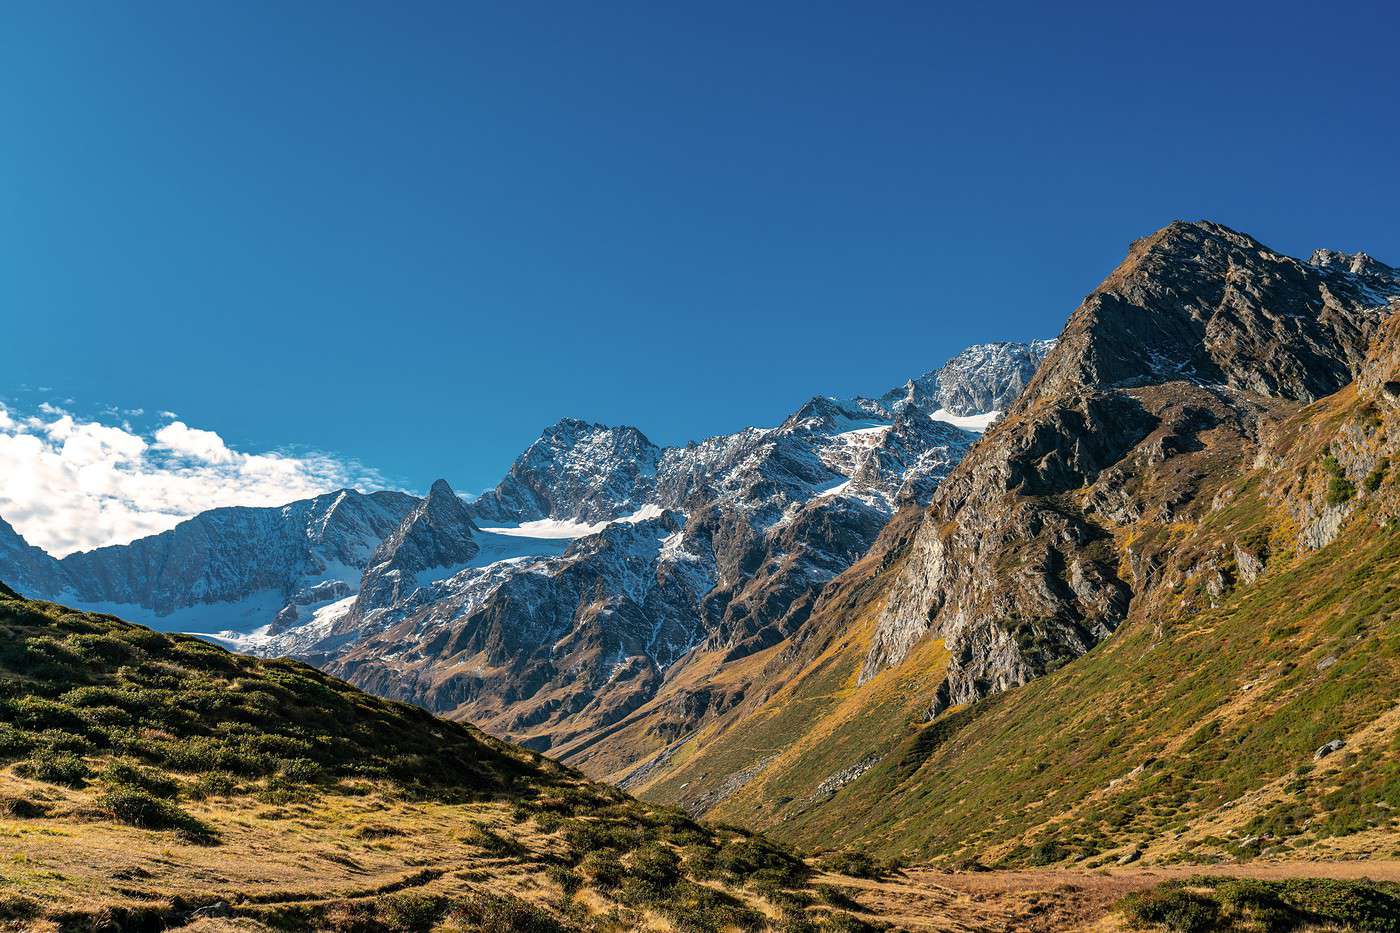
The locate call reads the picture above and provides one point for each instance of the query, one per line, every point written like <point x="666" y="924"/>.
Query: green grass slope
<point x="149" y="781"/>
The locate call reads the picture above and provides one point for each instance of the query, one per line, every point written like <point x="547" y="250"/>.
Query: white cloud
<point x="184" y="441"/>
<point x="69" y="484"/>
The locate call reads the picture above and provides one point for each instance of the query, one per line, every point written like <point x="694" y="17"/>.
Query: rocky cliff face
<point x="27" y="568"/>
<point x="433" y="539"/>
<point x="1180" y="353"/>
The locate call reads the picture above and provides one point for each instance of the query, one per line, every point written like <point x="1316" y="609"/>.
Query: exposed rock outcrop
<point x="1192" y="340"/>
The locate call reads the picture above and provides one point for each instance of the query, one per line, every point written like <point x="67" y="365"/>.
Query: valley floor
<point x="1048" y="899"/>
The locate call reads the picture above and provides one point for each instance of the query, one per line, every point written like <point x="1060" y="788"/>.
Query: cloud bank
<point x="69" y="484"/>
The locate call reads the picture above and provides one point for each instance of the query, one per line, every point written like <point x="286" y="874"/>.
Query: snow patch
<point x="554" y="528"/>
<point x="975" y="423"/>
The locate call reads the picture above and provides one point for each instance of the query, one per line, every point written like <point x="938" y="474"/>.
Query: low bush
<point x="123" y="772"/>
<point x="857" y="865"/>
<point x="1173" y="909"/>
<point x="603" y="868"/>
<point x="1270" y="906"/>
<point x="498" y="913"/>
<point x="213" y="784"/>
<point x="53" y="767"/>
<point x="409" y="911"/>
<point x="140" y="808"/>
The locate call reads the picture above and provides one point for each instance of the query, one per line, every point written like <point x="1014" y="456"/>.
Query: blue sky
<point x="414" y="234"/>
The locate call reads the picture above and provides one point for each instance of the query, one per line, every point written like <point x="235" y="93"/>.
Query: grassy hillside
<point x="151" y="781"/>
<point x="1190" y="735"/>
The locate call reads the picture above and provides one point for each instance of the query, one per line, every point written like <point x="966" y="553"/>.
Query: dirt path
<point x="1046" y="900"/>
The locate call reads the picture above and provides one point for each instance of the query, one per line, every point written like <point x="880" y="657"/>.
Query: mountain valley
<point x="1109" y="618"/>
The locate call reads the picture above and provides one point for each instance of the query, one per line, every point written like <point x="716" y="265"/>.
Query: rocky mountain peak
<point x="1204" y="303"/>
<point x="983" y="378"/>
<point x="575" y="471"/>
<point x="1200" y="329"/>
<point x="1356" y="263"/>
<point x="436" y="536"/>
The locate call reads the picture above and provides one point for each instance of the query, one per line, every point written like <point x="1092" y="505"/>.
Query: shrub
<point x="350" y="917"/>
<point x="123" y="772"/>
<point x="1047" y="852"/>
<point x="567" y="881"/>
<point x="656" y="865"/>
<point x="213" y="784"/>
<point x="140" y="808"/>
<point x="63" y="768"/>
<point x="14" y="743"/>
<point x="1244" y="904"/>
<point x="603" y="868"/>
<point x="1174" y="909"/>
<point x="1339" y="488"/>
<point x="836" y="897"/>
<point x="499" y="913"/>
<point x="1362" y="905"/>
<point x="410" y="911"/>
<point x="757" y="859"/>
<point x="592" y="835"/>
<point x="857" y="865"/>
<point x="695" y="907"/>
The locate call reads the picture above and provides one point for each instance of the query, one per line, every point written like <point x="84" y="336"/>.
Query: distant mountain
<point x="233" y="568"/>
<point x="580" y="471"/>
<point x="558" y="604"/>
<point x="715" y="548"/>
<point x="987" y="377"/>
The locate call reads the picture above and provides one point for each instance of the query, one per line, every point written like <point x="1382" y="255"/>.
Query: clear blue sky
<point x="415" y="233"/>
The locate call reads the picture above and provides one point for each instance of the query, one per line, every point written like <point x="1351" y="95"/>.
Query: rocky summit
<point x="1201" y="331"/>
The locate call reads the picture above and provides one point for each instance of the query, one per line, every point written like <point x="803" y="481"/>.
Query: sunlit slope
<point x="1266" y="625"/>
<point x="149" y="781"/>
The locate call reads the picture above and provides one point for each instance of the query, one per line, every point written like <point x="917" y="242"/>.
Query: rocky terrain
<point x="1201" y="329"/>
<point x="716" y="549"/>
<point x="1145" y="618"/>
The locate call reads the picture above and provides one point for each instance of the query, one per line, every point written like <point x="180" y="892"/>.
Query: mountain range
<point x="1122" y="595"/>
<point x="549" y="609"/>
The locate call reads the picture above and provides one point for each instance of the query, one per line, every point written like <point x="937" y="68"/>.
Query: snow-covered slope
<point x="231" y="568"/>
